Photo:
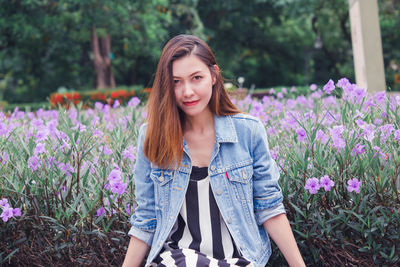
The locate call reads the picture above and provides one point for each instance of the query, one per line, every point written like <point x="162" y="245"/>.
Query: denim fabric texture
<point x="243" y="177"/>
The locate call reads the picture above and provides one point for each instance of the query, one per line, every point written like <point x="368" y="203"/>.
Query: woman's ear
<point x="214" y="76"/>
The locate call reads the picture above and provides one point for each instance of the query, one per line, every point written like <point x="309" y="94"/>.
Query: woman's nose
<point x="187" y="90"/>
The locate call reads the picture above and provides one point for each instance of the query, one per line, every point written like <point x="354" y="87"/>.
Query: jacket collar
<point x="225" y="131"/>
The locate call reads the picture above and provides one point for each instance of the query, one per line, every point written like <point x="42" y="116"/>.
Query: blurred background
<point x="57" y="46"/>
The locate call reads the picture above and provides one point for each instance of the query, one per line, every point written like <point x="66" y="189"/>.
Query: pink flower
<point x="353" y="185"/>
<point x="312" y="184"/>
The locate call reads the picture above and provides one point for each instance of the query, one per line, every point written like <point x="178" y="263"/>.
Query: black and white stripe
<point x="200" y="236"/>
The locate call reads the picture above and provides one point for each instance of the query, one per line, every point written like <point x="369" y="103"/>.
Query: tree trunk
<point x="101" y="59"/>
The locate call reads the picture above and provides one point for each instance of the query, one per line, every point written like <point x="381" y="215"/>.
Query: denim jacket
<point x="243" y="178"/>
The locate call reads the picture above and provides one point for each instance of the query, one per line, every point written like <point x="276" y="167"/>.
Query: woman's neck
<point x="200" y="123"/>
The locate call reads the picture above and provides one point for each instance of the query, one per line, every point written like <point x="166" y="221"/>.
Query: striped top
<point x="200" y="226"/>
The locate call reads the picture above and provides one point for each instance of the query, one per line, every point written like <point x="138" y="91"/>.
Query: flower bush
<point x="88" y="98"/>
<point x="70" y="174"/>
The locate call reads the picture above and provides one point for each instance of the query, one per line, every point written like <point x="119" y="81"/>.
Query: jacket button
<point x="161" y="179"/>
<point x="213" y="167"/>
<point x="229" y="220"/>
<point x="219" y="192"/>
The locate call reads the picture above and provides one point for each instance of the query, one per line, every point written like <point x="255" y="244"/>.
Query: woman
<point x="206" y="187"/>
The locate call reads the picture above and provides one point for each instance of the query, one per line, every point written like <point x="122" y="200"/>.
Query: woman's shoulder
<point x="245" y="117"/>
<point x="242" y="123"/>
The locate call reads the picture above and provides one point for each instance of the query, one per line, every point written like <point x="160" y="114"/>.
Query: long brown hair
<point x="163" y="144"/>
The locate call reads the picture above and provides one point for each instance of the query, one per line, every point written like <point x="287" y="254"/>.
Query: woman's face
<point x="193" y="83"/>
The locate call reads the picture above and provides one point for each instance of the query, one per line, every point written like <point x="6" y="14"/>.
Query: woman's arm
<point x="279" y="230"/>
<point x="137" y="250"/>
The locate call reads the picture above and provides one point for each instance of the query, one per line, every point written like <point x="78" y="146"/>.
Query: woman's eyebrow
<point x="194" y="73"/>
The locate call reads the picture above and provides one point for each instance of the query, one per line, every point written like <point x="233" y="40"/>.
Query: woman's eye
<point x="197" y="77"/>
<point x="176" y="81"/>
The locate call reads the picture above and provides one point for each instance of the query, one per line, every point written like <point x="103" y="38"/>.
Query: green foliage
<point x="46" y="45"/>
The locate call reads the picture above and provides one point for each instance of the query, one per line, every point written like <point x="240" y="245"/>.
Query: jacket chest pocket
<point x="162" y="180"/>
<point x="241" y="181"/>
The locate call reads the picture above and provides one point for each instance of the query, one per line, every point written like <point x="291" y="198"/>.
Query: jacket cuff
<point x="264" y="215"/>
<point x="145" y="236"/>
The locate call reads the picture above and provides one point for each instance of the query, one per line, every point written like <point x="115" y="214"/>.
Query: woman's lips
<point x="191" y="103"/>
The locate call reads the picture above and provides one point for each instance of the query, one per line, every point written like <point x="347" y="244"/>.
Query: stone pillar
<point x="367" y="45"/>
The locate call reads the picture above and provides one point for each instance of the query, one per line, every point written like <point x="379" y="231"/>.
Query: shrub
<point x="70" y="174"/>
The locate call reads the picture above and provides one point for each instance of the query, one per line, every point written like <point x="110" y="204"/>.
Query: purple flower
<point x="398" y="100"/>
<point x="321" y="136"/>
<point x="128" y="209"/>
<point x="7" y="214"/>
<point x="312" y="184"/>
<point x="329" y="87"/>
<point x="117" y="186"/>
<point x="279" y="95"/>
<point x="358" y="150"/>
<point x="353" y="185"/>
<point x="16" y="212"/>
<point x="106" y="150"/>
<point x="265" y="99"/>
<point x="98" y="106"/>
<point x="274" y="152"/>
<point x="343" y="82"/>
<point x="380" y="97"/>
<point x="359" y="94"/>
<point x="301" y="134"/>
<point x="386" y="131"/>
<point x="133" y="102"/>
<point x="116" y="104"/>
<point x="326" y="183"/>
<point x="397" y="135"/>
<point x="39" y="149"/>
<point x="33" y="163"/>
<point x="360" y="123"/>
<point x="4" y="203"/>
<point x="128" y="153"/>
<point x="114" y="175"/>
<point x="336" y="133"/>
<point x="377" y="121"/>
<point x="368" y="132"/>
<point x="42" y="134"/>
<point x="313" y="87"/>
<point x="100" y="211"/>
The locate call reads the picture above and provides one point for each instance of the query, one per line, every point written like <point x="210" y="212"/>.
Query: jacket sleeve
<point x="143" y="220"/>
<point x="267" y="194"/>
